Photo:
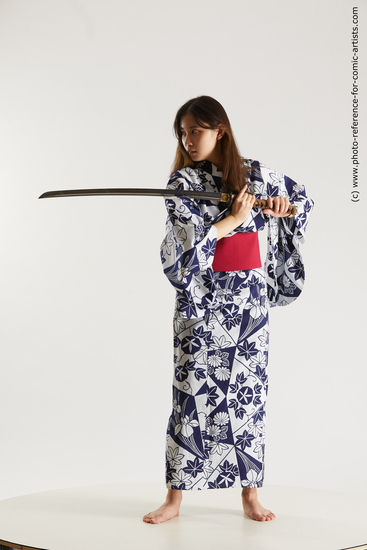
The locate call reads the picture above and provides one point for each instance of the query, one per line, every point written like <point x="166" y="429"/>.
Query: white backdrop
<point x="88" y="94"/>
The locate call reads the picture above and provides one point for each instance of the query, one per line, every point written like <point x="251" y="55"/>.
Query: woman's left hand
<point x="278" y="207"/>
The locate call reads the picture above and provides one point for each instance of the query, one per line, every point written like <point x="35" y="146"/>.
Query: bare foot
<point x="253" y="508"/>
<point x="168" y="510"/>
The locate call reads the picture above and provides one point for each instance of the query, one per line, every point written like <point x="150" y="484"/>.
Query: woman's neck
<point x="216" y="159"/>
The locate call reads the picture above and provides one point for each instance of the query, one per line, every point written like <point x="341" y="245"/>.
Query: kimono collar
<point x="211" y="169"/>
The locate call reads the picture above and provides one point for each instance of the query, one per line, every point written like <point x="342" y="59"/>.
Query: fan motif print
<point x="216" y="431"/>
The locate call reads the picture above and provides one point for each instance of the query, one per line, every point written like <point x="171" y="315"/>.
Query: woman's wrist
<point x="227" y="225"/>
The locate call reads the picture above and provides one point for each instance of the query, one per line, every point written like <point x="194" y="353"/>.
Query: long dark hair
<point x="208" y="113"/>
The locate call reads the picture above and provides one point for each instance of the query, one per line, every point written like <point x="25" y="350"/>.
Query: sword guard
<point x="227" y="198"/>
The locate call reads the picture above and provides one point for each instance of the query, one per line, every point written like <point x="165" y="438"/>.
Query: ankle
<point x="173" y="496"/>
<point x="249" y="493"/>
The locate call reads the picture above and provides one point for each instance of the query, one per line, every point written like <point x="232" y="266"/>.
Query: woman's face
<point x="201" y="143"/>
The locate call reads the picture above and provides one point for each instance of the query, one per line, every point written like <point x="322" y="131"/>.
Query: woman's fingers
<point x="284" y="205"/>
<point x="244" y="199"/>
<point x="242" y="193"/>
<point x="278" y="206"/>
<point x="251" y="199"/>
<point x="242" y="205"/>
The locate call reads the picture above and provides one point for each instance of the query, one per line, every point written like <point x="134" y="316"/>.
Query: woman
<point x="215" y="435"/>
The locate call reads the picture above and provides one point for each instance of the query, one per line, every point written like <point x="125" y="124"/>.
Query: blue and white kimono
<point x="216" y="432"/>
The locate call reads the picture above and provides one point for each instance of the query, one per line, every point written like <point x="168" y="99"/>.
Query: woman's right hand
<point x="242" y="205"/>
<point x="240" y="211"/>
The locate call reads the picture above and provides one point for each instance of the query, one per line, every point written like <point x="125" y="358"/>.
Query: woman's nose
<point x="187" y="141"/>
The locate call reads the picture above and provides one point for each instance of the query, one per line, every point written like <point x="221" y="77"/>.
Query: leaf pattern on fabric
<point x="188" y="248"/>
<point x="216" y="431"/>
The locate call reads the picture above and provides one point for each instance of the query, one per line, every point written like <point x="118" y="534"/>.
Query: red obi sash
<point x="239" y="252"/>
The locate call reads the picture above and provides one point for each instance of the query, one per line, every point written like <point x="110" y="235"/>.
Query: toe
<point x="155" y="520"/>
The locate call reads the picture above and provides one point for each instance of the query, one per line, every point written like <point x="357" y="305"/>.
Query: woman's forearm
<point x="226" y="226"/>
<point x="240" y="211"/>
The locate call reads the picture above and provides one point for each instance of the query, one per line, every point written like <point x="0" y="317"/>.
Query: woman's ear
<point x="221" y="131"/>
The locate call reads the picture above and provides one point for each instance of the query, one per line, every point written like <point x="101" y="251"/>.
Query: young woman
<point x="216" y="432"/>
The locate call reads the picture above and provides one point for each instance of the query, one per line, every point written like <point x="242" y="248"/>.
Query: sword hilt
<point x="262" y="204"/>
<point x="259" y="203"/>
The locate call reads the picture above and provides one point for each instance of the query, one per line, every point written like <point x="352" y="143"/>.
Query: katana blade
<point x="201" y="195"/>
<point x="226" y="197"/>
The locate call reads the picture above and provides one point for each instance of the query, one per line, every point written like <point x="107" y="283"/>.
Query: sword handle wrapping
<point x="260" y="203"/>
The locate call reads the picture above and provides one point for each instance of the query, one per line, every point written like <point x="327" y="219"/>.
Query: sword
<point x="226" y="197"/>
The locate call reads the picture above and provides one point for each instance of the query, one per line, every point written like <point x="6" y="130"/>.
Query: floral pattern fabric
<point x="216" y="432"/>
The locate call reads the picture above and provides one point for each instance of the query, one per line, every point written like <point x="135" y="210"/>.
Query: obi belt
<point x="239" y="252"/>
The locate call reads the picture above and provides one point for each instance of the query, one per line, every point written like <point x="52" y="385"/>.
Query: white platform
<point x="110" y="517"/>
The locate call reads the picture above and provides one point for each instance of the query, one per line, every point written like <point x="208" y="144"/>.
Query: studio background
<point x="88" y="94"/>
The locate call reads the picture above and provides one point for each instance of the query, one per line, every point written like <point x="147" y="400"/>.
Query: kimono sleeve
<point x="284" y="266"/>
<point x="187" y="251"/>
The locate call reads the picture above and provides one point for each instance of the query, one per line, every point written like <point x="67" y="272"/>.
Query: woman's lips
<point x="192" y="152"/>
